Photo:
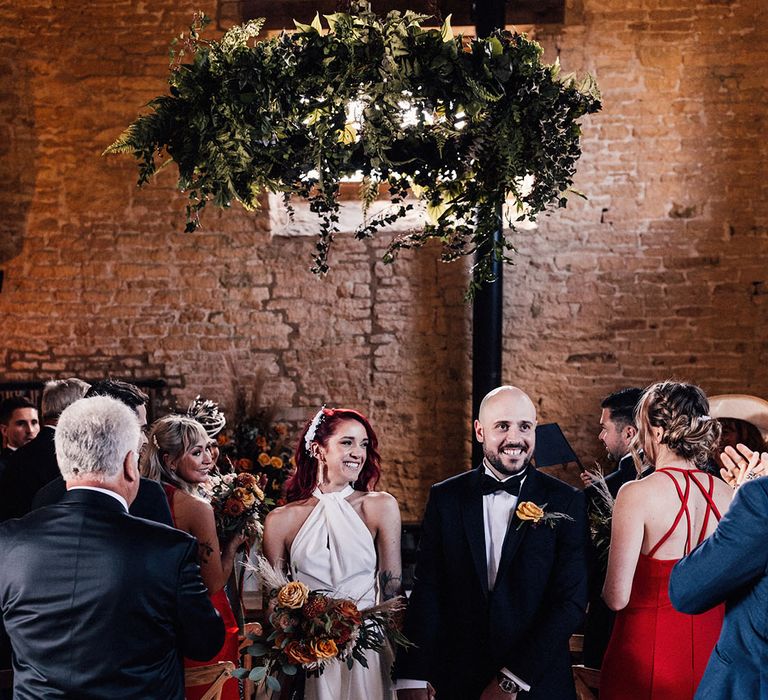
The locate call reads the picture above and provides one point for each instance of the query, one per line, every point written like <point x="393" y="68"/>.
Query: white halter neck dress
<point x="334" y="551"/>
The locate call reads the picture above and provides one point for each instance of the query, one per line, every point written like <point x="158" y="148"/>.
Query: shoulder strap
<point x="711" y="506"/>
<point x="683" y="511"/>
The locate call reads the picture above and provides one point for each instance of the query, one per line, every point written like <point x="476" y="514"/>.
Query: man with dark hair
<point x="150" y="502"/>
<point x="617" y="430"/>
<point x="32" y="466"/>
<point x="99" y="604"/>
<point x="19" y="425"/>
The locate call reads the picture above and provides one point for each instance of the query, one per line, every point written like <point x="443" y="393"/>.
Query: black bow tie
<point x="512" y="485"/>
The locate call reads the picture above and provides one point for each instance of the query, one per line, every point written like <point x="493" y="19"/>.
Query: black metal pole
<point x="488" y="304"/>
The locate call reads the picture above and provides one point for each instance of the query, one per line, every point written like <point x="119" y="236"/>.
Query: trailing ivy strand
<point x="460" y="124"/>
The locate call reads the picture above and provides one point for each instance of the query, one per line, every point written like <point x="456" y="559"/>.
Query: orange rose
<point x="261" y="442"/>
<point x="245" y="496"/>
<point x="347" y="609"/>
<point x="222" y="439"/>
<point x="246" y="480"/>
<point x="298" y="653"/>
<point x="244" y="464"/>
<point x="529" y="511"/>
<point x="292" y="595"/>
<point x="324" y="648"/>
<point x="233" y="507"/>
<point x="276" y="462"/>
<point x="264" y="459"/>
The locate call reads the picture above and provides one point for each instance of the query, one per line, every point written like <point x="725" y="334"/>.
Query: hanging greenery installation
<point x="462" y="125"/>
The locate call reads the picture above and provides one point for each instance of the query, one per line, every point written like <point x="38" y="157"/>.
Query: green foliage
<point x="461" y="123"/>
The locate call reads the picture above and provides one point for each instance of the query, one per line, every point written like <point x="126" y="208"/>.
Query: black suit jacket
<point x="30" y="468"/>
<point x="465" y="633"/>
<point x="150" y="503"/>
<point x="99" y="604"/>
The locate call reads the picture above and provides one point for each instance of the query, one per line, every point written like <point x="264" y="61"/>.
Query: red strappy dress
<point x="655" y="652"/>
<point x="228" y="652"/>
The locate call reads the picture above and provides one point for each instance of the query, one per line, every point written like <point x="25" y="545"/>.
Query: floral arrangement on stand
<point x="312" y="628"/>
<point x="460" y="124"/>
<point x="259" y="446"/>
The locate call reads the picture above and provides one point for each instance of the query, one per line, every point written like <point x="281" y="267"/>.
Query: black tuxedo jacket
<point x="465" y="633"/>
<point x="99" y="604"/>
<point x="30" y="468"/>
<point x="151" y="502"/>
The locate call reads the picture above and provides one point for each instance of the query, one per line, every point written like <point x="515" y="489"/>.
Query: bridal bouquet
<point x="312" y="628"/>
<point x="238" y="504"/>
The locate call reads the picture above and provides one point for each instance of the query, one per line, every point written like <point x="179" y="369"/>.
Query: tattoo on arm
<point x="389" y="584"/>
<point x="204" y="552"/>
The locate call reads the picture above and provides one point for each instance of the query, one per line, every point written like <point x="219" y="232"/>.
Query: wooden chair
<point x="246" y="660"/>
<point x="587" y="682"/>
<point x="213" y="675"/>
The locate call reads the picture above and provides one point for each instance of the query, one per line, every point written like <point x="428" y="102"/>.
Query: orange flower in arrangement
<point x="246" y="496"/>
<point x="298" y="653"/>
<point x="233" y="507"/>
<point x="347" y="609"/>
<point x="261" y="443"/>
<point x="246" y="480"/>
<point x="264" y="459"/>
<point x="244" y="464"/>
<point x="222" y="439"/>
<point x="324" y="648"/>
<point x="293" y="595"/>
<point x="317" y="606"/>
<point x="276" y="462"/>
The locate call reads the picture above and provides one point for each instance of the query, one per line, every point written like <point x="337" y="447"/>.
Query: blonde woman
<point x="179" y="457"/>
<point x="656" y="652"/>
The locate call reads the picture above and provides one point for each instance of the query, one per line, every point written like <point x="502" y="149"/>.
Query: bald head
<point x="506" y="427"/>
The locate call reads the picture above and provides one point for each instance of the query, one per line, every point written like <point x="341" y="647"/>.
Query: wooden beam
<point x="279" y="14"/>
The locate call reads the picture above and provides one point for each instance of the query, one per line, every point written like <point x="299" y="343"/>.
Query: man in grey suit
<point x="731" y="566"/>
<point x="97" y="603"/>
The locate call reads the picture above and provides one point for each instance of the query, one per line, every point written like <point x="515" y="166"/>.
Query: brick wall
<point x="658" y="274"/>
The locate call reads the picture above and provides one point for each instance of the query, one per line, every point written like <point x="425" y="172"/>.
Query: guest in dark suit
<point x="496" y="597"/>
<point x="99" y="604"/>
<point x="32" y="466"/>
<point x="617" y="430"/>
<point x="731" y="566"/>
<point x="150" y="502"/>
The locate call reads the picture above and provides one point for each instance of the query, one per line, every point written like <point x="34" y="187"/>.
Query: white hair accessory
<point x="312" y="430"/>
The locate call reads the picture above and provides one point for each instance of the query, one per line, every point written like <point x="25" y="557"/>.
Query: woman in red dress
<point x="655" y="652"/>
<point x="179" y="457"/>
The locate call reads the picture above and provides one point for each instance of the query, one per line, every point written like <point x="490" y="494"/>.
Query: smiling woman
<point x="337" y="534"/>
<point x="179" y="457"/>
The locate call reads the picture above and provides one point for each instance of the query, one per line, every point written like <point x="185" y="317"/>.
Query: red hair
<point x="303" y="481"/>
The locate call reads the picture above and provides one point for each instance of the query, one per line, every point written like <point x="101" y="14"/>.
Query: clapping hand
<point x="741" y="464"/>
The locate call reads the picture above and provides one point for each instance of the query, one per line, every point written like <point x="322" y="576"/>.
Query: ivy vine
<point x="461" y="124"/>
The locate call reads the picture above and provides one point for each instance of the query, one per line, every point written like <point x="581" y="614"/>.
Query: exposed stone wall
<point x="658" y="274"/>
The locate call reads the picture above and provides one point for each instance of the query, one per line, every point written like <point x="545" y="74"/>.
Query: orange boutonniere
<point x="527" y="510"/>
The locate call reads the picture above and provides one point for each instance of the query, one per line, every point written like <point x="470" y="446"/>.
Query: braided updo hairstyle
<point x="682" y="412"/>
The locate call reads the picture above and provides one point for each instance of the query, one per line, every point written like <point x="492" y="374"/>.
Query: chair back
<point x="213" y="675"/>
<point x="587" y="681"/>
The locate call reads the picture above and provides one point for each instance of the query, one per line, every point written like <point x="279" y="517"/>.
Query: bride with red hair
<point x="337" y="533"/>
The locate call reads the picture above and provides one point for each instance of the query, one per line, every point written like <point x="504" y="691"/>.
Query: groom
<point x="497" y="597"/>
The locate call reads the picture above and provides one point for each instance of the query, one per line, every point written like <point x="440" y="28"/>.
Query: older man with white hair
<point x="98" y="603"/>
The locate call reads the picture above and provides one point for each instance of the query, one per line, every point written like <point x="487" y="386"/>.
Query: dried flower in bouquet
<point x="600" y="513"/>
<point x="238" y="503"/>
<point x="312" y="628"/>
